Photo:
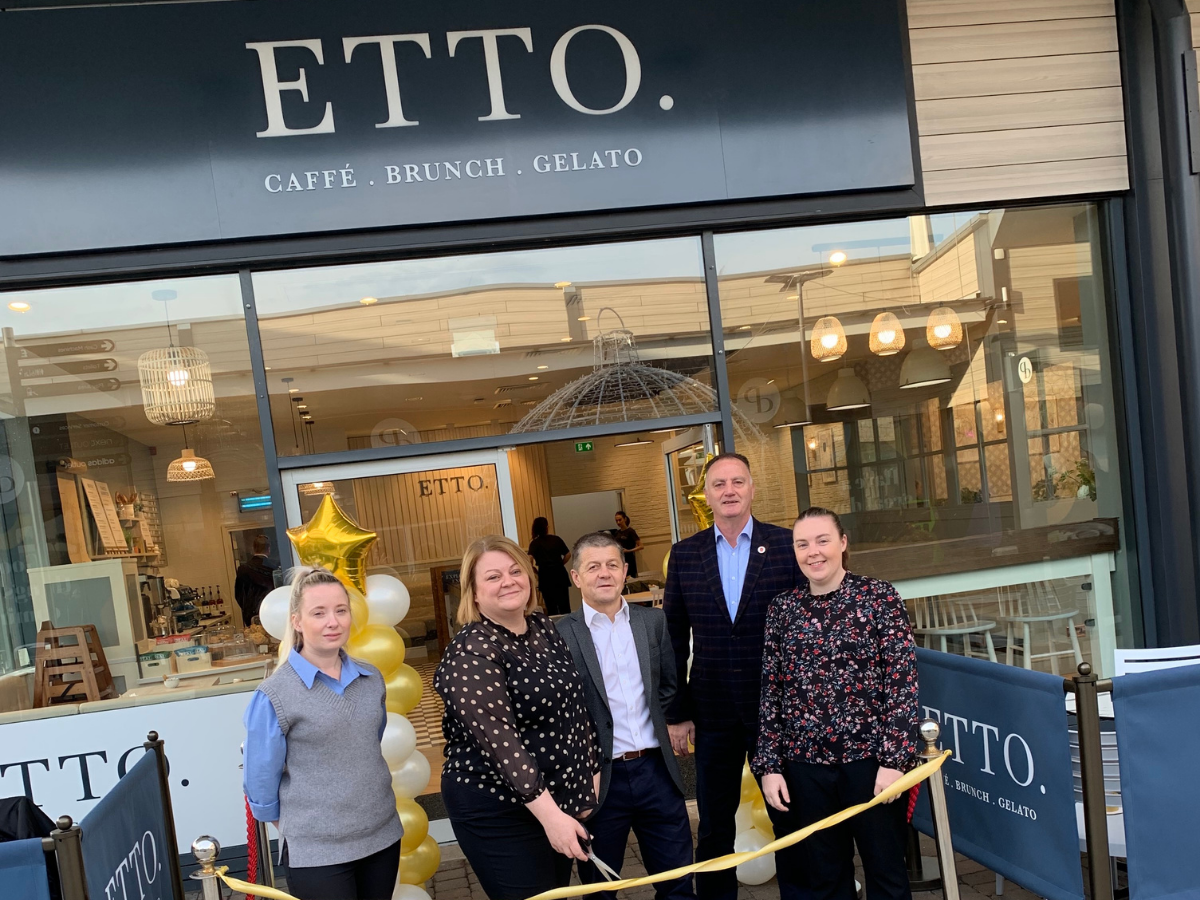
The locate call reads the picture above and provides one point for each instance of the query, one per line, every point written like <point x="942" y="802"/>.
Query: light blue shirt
<point x="265" y="753"/>
<point x="732" y="561"/>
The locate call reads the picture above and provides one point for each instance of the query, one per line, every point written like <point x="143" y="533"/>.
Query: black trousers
<point x="720" y="755"/>
<point x="370" y="878"/>
<point x="822" y="866"/>
<point x="504" y="843"/>
<point x="642" y="796"/>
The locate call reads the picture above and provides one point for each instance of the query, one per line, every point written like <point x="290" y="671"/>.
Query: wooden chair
<point x="1037" y="604"/>
<point x="70" y="666"/>
<point x="946" y="617"/>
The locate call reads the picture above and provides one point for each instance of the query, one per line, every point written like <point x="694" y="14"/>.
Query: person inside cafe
<point x="522" y="761"/>
<point x="313" y="764"/>
<point x="624" y="657"/>
<point x="628" y="539"/>
<point x="550" y="554"/>
<point x="720" y="582"/>
<point x="255" y="579"/>
<point x="838" y="718"/>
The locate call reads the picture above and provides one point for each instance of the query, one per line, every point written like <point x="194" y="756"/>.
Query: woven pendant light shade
<point x="190" y="467"/>
<point x="316" y="488"/>
<point x="177" y="386"/>
<point x="828" y="339"/>
<point x="887" y="335"/>
<point x="944" y="329"/>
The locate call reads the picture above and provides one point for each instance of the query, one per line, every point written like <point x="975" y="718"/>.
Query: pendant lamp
<point x="190" y="467"/>
<point x="922" y="368"/>
<point x="944" y="329"/>
<point x="316" y="488"/>
<point x="848" y="392"/>
<point x="828" y="339"/>
<point x="177" y="387"/>
<point x="887" y="335"/>
<point x="792" y="412"/>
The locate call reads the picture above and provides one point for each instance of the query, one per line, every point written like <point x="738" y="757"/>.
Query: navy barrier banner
<point x="1009" y="792"/>
<point x="23" y="870"/>
<point x="125" y="839"/>
<point x="1158" y="736"/>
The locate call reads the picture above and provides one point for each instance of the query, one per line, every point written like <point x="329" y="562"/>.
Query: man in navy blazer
<point x="719" y="585"/>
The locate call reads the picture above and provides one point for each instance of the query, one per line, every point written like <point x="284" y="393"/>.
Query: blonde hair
<point x="303" y="577"/>
<point x="468" y="609"/>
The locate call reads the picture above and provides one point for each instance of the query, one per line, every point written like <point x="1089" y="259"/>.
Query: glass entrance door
<point x="425" y="511"/>
<point x="684" y="456"/>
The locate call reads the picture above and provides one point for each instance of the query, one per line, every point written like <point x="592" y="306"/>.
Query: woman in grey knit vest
<point x="313" y="765"/>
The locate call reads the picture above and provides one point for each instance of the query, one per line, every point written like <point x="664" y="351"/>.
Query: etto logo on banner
<point x="273" y="88"/>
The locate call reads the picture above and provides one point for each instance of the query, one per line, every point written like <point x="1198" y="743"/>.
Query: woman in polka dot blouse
<point x="522" y="765"/>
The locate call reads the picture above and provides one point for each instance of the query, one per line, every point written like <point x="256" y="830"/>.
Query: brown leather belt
<point x="636" y="754"/>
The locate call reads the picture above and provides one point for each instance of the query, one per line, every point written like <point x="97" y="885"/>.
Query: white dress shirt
<point x="633" y="728"/>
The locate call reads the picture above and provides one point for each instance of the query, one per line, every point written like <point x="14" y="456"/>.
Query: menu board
<point x="104" y="511"/>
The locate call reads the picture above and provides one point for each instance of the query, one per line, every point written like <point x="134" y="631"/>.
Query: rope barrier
<point x="729" y="861"/>
<point x="251" y="849"/>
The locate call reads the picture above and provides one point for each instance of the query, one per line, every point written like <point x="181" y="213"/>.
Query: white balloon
<point x="273" y="613"/>
<point x="399" y="740"/>
<point x="412" y="776"/>
<point x="387" y="599"/>
<point x="408" y="891"/>
<point x="743" y="819"/>
<point x="757" y="871"/>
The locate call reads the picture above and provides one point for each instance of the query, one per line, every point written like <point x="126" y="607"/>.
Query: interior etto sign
<point x="152" y="124"/>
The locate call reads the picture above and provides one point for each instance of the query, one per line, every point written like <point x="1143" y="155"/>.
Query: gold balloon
<point x="701" y="511"/>
<point x="666" y="561"/>
<point x="420" y="865"/>
<point x="762" y="821"/>
<point x="359" y="613"/>
<point x="403" y="690"/>
<point x="381" y="647"/>
<point x="333" y="540"/>
<point x="750" y="790"/>
<point x="415" y="822"/>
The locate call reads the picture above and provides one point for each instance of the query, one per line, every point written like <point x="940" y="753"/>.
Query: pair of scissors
<point x="602" y="867"/>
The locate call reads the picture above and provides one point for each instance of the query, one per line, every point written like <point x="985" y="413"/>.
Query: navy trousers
<point x="642" y="796"/>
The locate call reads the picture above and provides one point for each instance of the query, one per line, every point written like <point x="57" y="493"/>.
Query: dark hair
<point x="595" y="539"/>
<point x="541" y="527"/>
<point x="261" y="543"/>
<point x="721" y="457"/>
<point x="624" y="515"/>
<point x="816" y="512"/>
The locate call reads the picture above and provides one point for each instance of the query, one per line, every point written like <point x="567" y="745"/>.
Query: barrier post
<point x="206" y="850"/>
<point x="930" y="732"/>
<point x="1091" y="765"/>
<point x="68" y="855"/>
<point x="266" y="865"/>
<point x="154" y="743"/>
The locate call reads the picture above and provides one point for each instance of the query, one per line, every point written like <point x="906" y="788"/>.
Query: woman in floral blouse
<point x="838" y="717"/>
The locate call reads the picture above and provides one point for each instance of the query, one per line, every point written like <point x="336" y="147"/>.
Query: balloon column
<point x="754" y="831"/>
<point x="378" y="603"/>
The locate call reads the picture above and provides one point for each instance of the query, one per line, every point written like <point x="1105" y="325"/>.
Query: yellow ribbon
<point x="729" y="861"/>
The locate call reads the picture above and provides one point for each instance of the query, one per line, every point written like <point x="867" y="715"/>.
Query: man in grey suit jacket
<point x="624" y="656"/>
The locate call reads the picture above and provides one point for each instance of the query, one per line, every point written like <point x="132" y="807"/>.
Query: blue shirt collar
<point x="308" y="672"/>
<point x="747" y="532"/>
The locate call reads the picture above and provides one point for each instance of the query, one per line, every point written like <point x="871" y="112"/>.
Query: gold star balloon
<point x="334" y="540"/>
<point x="701" y="511"/>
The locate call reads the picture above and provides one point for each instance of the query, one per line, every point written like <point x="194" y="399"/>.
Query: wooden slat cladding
<point x="1017" y="99"/>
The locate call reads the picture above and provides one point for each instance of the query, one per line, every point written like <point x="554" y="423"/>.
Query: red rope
<point x="251" y="848"/>
<point x="912" y="798"/>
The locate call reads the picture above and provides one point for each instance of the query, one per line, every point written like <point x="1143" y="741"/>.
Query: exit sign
<point x="583" y="446"/>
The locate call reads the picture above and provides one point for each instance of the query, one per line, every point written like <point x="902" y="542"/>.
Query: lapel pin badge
<point x="762" y="549"/>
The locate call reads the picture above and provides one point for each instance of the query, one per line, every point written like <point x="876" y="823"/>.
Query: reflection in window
<point x="429" y="350"/>
<point x="942" y="382"/>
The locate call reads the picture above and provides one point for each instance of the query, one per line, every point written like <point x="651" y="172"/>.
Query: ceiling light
<point x="562" y="284"/>
<point x="533" y="377"/>
<point x="293" y="390"/>
<point x="190" y="467"/>
<point x="744" y="328"/>
<point x="848" y="392"/>
<point x="664" y="431"/>
<point x="923" y="368"/>
<point x="1002" y="321"/>
<point x="828" y="339"/>
<point x="837" y="257"/>
<point x="887" y="335"/>
<point x="565" y="339"/>
<point x="19" y="306"/>
<point x="412" y="399"/>
<point x="543" y="367"/>
<point x="302" y="406"/>
<point x="584" y="319"/>
<point x="367" y="301"/>
<point x="792" y="412"/>
<point x="944" y="330"/>
<point x="634" y="443"/>
<point x="177" y="386"/>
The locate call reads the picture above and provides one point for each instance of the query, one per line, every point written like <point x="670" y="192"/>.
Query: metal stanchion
<point x="1091" y="765"/>
<point x="68" y="853"/>
<point x="930" y="732"/>
<point x="923" y="871"/>
<point x="206" y="850"/>
<point x="266" y="865"/>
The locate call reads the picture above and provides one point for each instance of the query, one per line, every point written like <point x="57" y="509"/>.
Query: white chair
<point x="1128" y="661"/>
<point x="944" y="618"/>
<point x="1037" y="604"/>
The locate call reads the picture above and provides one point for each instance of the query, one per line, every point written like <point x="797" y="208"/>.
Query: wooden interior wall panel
<point x="1017" y="99"/>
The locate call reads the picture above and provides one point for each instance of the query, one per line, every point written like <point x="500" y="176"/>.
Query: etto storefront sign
<point x="202" y="121"/>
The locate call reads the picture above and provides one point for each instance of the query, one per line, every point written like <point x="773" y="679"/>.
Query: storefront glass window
<point x="428" y="350"/>
<point x="116" y="515"/>
<point x="944" y="384"/>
